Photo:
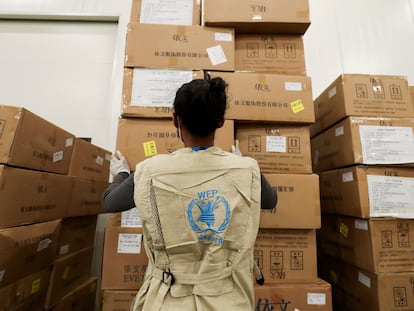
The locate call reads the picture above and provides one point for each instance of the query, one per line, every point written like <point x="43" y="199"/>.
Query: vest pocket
<point x="213" y="288"/>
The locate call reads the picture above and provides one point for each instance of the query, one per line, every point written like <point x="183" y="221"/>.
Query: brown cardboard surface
<point x="25" y="250"/>
<point x="277" y="16"/>
<point x="362" y="95"/>
<point x="364" y="140"/>
<point x="298" y="205"/>
<point x="124" y="264"/>
<point x="268" y="97"/>
<point x="376" y="245"/>
<point x="117" y="300"/>
<point x="367" y="191"/>
<point x="280" y="54"/>
<point x="286" y="255"/>
<point x="412" y="94"/>
<point x="310" y="296"/>
<point x="30" y="141"/>
<point x="141" y="138"/>
<point x="277" y="148"/>
<point x="29" y="196"/>
<point x="89" y="161"/>
<point x="149" y="92"/>
<point x="183" y="47"/>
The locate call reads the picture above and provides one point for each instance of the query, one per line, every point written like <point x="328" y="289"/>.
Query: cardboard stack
<point x="363" y="151"/>
<point x="45" y="253"/>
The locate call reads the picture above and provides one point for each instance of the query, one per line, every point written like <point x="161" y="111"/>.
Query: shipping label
<point x="171" y="12"/>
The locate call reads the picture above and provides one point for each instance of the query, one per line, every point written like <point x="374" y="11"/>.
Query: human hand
<point x="235" y="148"/>
<point x="118" y="164"/>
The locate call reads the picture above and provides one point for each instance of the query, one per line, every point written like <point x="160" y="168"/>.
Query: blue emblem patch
<point x="209" y="215"/>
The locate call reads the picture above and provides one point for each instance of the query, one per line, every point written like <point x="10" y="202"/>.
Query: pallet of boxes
<point x="363" y="151"/>
<point x="48" y="214"/>
<point x="259" y="52"/>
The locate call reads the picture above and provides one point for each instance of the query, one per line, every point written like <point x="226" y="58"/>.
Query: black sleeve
<point x="119" y="196"/>
<point x="268" y="194"/>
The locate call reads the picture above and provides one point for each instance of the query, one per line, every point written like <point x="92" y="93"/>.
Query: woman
<point x="199" y="208"/>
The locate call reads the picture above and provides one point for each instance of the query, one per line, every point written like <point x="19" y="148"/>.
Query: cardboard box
<point x="81" y="298"/>
<point x="171" y="12"/>
<point x="118" y="300"/>
<point x="89" y="161"/>
<point x="364" y="96"/>
<point x="86" y="197"/>
<point x="76" y="233"/>
<point x="286" y="255"/>
<point x="27" y="290"/>
<point x="129" y="218"/>
<point x="273" y="53"/>
<point x="182" y="47"/>
<point x="368" y="191"/>
<point x="268" y="97"/>
<point x="412" y="94"/>
<point x="376" y="245"/>
<point x="67" y="274"/>
<point x="124" y="259"/>
<point x="310" y="296"/>
<point x="26" y="250"/>
<point x="298" y="205"/>
<point x="29" y="196"/>
<point x="359" y="140"/>
<point x="30" y="141"/>
<point x="360" y="290"/>
<point x="274" y="16"/>
<point x="150" y="92"/>
<point x="277" y="148"/>
<point x="141" y="138"/>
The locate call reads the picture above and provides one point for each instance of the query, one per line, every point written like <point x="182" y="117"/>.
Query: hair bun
<point x="217" y="84"/>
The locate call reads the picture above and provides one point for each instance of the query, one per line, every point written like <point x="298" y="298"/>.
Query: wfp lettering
<point x="266" y="305"/>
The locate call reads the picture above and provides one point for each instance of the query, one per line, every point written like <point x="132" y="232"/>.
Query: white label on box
<point x="386" y="144"/>
<point x="339" y="131"/>
<point x="171" y="12"/>
<point x="57" y="156"/>
<point x="43" y="244"/>
<point x="347" y="177"/>
<point x="293" y="86"/>
<point x="216" y="55"/>
<point x="129" y="243"/>
<point x="275" y="143"/>
<point x="362" y="278"/>
<point x="223" y="36"/>
<point x="69" y="142"/>
<point x="157" y="87"/>
<point x="131" y="218"/>
<point x="296" y="309"/>
<point x="99" y="160"/>
<point x="332" y="92"/>
<point x="64" y="249"/>
<point x="361" y="224"/>
<point x="316" y="299"/>
<point x="391" y="196"/>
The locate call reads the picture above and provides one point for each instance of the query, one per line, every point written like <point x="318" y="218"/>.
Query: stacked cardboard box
<point x="363" y="151"/>
<point x="46" y="255"/>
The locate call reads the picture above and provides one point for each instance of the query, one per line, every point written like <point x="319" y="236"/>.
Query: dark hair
<point x="201" y="105"/>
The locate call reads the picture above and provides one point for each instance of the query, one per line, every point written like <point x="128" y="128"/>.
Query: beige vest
<point x="200" y="215"/>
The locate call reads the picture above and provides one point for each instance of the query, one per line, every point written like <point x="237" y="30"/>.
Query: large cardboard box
<point x="89" y="161"/>
<point x="377" y="245"/>
<point x="274" y="53"/>
<point x="309" y="296"/>
<point x="30" y="290"/>
<point x="141" y="138"/>
<point x="150" y="92"/>
<point x="124" y="259"/>
<point x="29" y="196"/>
<point x="268" y="97"/>
<point x="364" y="96"/>
<point x="412" y="93"/>
<point x="30" y="141"/>
<point x="361" y="290"/>
<point x="277" y="148"/>
<point x="368" y="191"/>
<point x="118" y="300"/>
<point x="274" y="16"/>
<point x="184" y="12"/>
<point x="67" y="274"/>
<point x="182" y="47"/>
<point x="298" y="205"/>
<point x="369" y="140"/>
<point x="286" y="255"/>
<point x="26" y="250"/>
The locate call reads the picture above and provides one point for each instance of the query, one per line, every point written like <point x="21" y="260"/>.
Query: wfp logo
<point x="209" y="215"/>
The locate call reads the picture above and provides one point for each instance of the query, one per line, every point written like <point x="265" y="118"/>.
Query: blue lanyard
<point x="198" y="148"/>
